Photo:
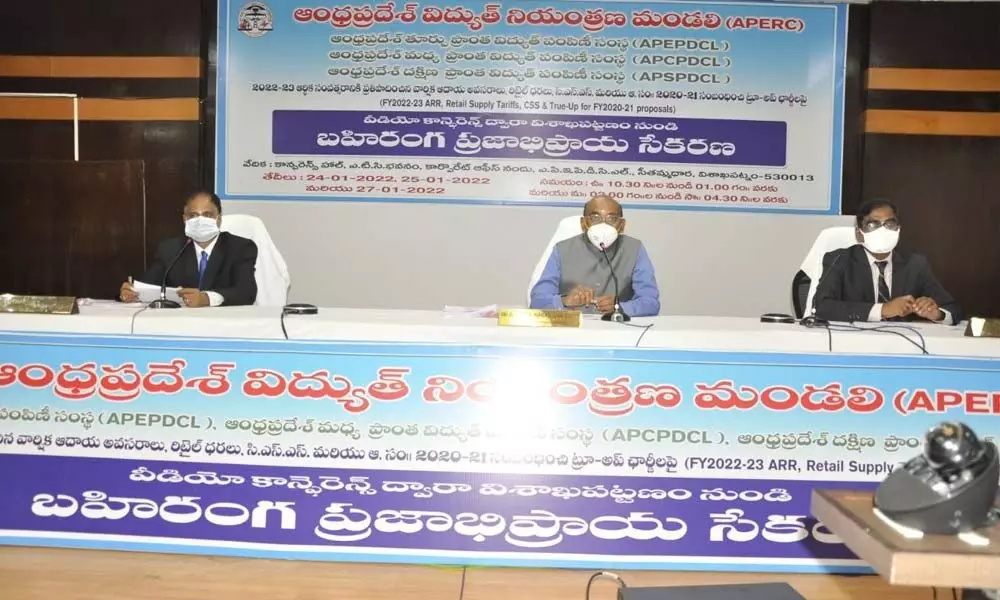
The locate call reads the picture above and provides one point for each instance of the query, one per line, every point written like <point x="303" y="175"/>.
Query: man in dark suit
<point x="213" y="268"/>
<point x="873" y="281"/>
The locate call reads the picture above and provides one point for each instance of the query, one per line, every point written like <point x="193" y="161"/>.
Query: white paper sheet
<point x="148" y="293"/>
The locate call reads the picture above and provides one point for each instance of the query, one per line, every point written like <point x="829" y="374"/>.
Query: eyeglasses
<point x="190" y="214"/>
<point x="870" y="226"/>
<point x="597" y="218"/>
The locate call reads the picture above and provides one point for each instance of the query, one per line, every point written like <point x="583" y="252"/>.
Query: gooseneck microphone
<point x="615" y="315"/>
<point x="162" y="302"/>
<point x="809" y="319"/>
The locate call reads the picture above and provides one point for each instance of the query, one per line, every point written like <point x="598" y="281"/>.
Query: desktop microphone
<point x="616" y="315"/>
<point x="810" y="319"/>
<point x="162" y="302"/>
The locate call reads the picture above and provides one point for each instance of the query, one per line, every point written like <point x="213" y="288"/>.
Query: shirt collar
<point x="872" y="260"/>
<point x="207" y="249"/>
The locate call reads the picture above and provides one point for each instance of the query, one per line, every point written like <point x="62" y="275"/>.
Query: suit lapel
<point x="900" y="273"/>
<point x="186" y="270"/>
<point x="215" y="261"/>
<point x="862" y="273"/>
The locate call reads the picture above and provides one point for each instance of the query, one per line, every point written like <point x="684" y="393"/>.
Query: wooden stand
<point x="933" y="561"/>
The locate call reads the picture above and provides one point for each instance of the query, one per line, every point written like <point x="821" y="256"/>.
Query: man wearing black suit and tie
<point x="873" y="281"/>
<point x="213" y="269"/>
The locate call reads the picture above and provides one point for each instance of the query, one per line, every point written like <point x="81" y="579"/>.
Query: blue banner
<point x="452" y="454"/>
<point x="732" y="106"/>
<point x="627" y="139"/>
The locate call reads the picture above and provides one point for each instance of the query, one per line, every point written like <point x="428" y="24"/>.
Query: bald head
<point x="605" y="205"/>
<point x="602" y="209"/>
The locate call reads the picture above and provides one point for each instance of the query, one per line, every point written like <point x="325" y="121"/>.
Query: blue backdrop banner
<point x="690" y="105"/>
<point x="451" y="454"/>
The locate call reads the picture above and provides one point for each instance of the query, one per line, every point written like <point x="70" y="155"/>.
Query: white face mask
<point x="881" y="241"/>
<point x="201" y="229"/>
<point x="602" y="235"/>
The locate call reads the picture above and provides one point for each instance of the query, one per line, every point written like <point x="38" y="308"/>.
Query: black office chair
<point x="800" y="293"/>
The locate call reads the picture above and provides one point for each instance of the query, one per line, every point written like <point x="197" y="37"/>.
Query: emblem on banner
<point x="255" y="19"/>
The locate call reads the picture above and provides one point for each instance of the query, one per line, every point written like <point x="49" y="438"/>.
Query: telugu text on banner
<point x="668" y="104"/>
<point x="448" y="454"/>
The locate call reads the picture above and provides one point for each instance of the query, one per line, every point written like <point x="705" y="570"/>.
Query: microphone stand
<point x="615" y="315"/>
<point x="162" y="302"/>
<point x="809" y="317"/>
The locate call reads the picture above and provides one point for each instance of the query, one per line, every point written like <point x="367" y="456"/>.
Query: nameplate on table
<point x="530" y="317"/>
<point x="42" y="305"/>
<point x="982" y="327"/>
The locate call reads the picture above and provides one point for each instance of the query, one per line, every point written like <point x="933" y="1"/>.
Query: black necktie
<point x="883" y="289"/>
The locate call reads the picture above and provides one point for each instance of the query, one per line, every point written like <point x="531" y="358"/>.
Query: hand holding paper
<point x="148" y="293"/>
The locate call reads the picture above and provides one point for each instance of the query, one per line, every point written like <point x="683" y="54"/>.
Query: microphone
<point x="615" y="315"/>
<point x="811" y="316"/>
<point x="163" y="302"/>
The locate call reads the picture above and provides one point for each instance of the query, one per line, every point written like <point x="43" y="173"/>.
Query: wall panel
<point x="139" y="69"/>
<point x="932" y="141"/>
<point x="72" y="228"/>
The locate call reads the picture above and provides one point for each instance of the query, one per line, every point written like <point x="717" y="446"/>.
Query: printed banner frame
<point x="427" y="453"/>
<point x="258" y="130"/>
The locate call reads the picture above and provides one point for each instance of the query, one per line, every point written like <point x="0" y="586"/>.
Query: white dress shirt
<point x="214" y="298"/>
<point x="876" y="313"/>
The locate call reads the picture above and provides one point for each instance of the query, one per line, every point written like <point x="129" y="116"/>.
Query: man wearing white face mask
<point x="577" y="274"/>
<point x="874" y="281"/>
<point x="212" y="268"/>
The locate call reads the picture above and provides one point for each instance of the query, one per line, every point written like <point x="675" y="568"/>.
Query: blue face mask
<point x="201" y="229"/>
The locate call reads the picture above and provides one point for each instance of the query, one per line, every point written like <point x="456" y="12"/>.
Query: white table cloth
<point x="405" y="326"/>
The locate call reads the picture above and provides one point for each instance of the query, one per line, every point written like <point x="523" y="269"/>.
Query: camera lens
<point x="951" y="444"/>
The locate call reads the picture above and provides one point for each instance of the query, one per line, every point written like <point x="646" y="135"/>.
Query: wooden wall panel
<point x="933" y="100"/>
<point x="70" y="228"/>
<point x="210" y="57"/>
<point x="933" y="122"/>
<point x="948" y="192"/>
<point x="99" y="140"/>
<point x="939" y="80"/>
<point x="932" y="142"/>
<point x="168" y="151"/>
<point x="101" y="28"/>
<point x="89" y="87"/>
<point x="100" y="109"/>
<point x="173" y="180"/>
<point x="935" y="35"/>
<point x="139" y="68"/>
<point x="108" y="67"/>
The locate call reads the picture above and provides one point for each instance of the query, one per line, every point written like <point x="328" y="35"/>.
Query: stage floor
<point x="48" y="574"/>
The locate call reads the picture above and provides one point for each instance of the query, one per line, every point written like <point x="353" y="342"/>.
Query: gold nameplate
<point x="42" y="305"/>
<point x="980" y="327"/>
<point x="530" y="317"/>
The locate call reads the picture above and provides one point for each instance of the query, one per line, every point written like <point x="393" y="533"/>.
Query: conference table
<point x="698" y="333"/>
<point x="674" y="442"/>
